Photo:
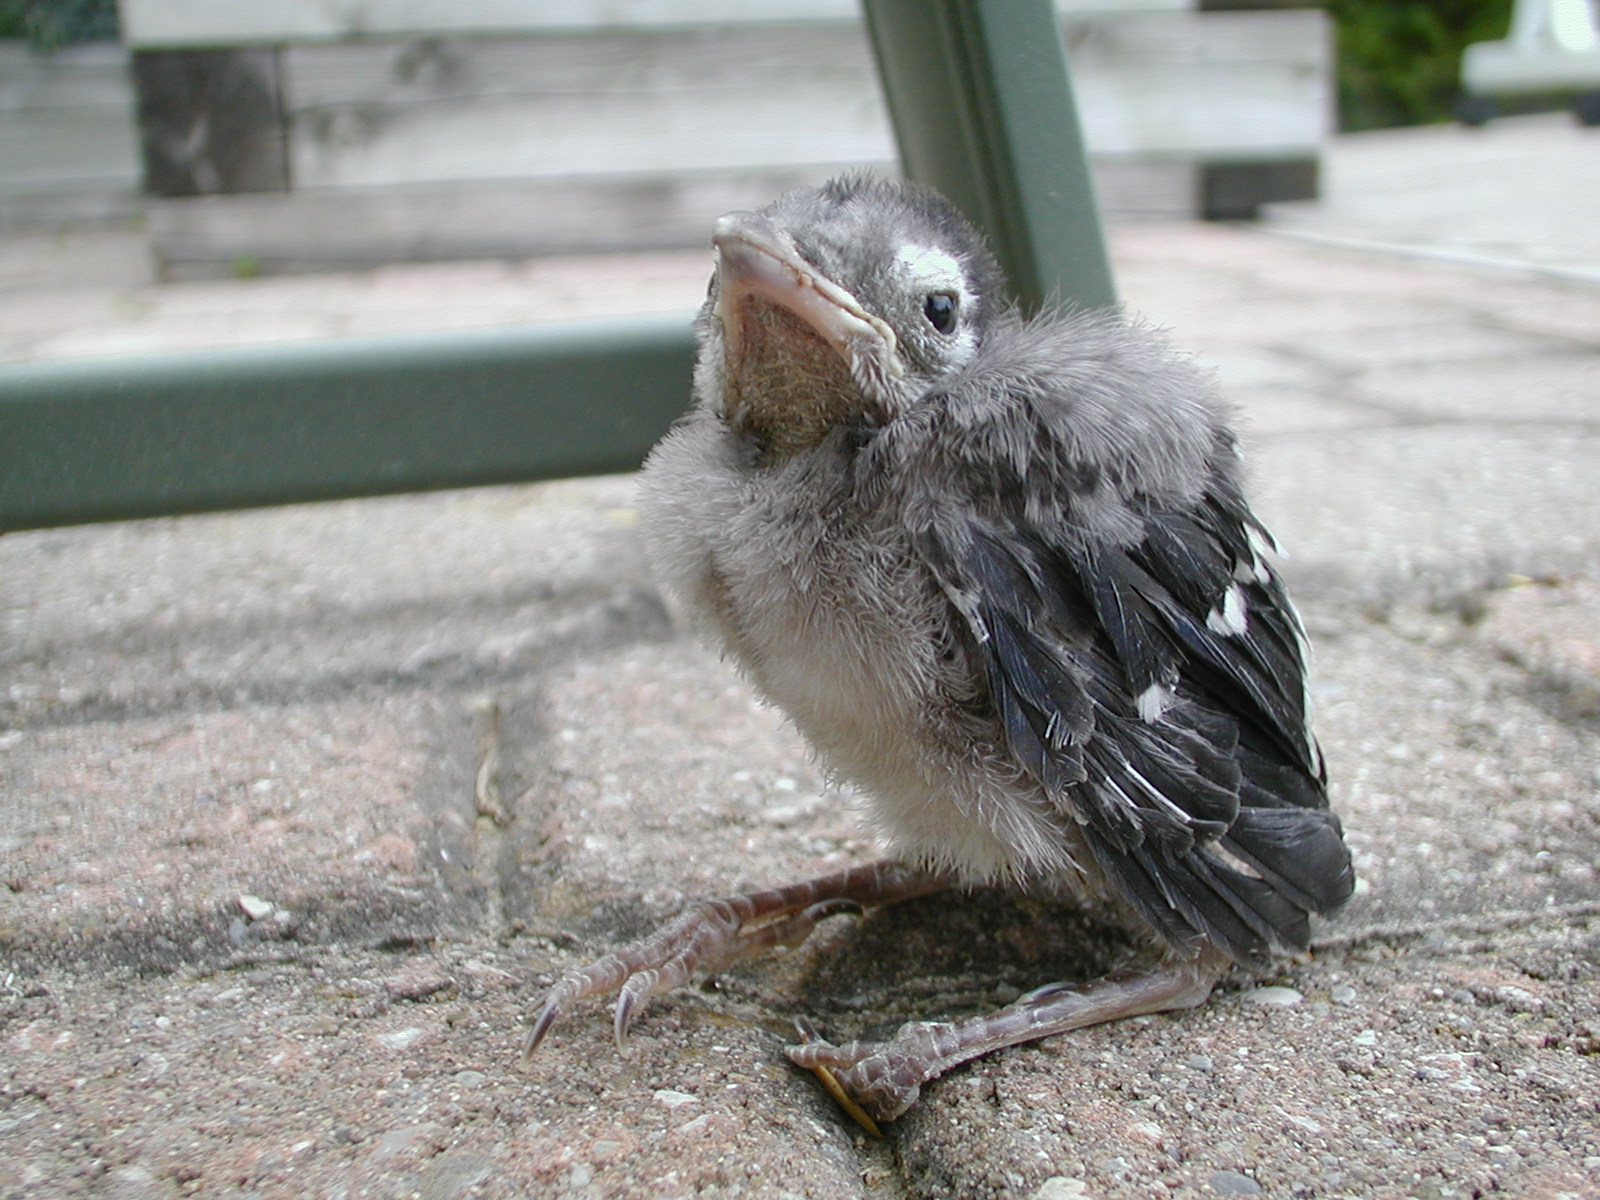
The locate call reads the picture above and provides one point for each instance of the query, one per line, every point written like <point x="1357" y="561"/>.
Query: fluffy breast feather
<point x="883" y="692"/>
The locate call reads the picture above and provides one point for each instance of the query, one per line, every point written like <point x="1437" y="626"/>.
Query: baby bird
<point x="1001" y="575"/>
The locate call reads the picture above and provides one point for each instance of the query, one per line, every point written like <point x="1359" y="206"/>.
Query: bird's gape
<point x="786" y="387"/>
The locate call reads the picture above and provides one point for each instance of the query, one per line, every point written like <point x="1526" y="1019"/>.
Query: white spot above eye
<point x="1229" y="620"/>
<point x="932" y="270"/>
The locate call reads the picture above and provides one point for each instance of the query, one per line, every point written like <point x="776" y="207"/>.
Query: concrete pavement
<point x="300" y="808"/>
<point x="1516" y="193"/>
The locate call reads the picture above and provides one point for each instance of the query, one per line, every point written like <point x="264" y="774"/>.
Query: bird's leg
<point x="713" y="935"/>
<point x="885" y="1078"/>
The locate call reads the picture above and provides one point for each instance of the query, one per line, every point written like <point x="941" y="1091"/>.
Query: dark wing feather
<point x="1211" y="820"/>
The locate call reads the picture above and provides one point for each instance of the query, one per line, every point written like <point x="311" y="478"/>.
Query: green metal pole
<point x="983" y="110"/>
<point x="107" y="439"/>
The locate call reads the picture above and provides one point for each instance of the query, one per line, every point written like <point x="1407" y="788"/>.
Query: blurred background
<point x="295" y="136"/>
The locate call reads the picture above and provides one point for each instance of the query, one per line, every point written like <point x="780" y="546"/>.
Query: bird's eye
<point x="940" y="309"/>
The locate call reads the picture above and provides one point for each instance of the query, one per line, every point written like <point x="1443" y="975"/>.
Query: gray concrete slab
<point x="299" y="809"/>
<point x="1517" y="191"/>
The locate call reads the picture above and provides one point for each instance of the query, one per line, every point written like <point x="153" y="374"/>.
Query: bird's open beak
<point x="756" y="259"/>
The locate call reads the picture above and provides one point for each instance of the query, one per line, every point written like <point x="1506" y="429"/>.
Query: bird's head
<point x="838" y="307"/>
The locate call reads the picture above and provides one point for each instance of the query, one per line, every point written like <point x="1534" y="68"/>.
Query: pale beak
<point x="756" y="259"/>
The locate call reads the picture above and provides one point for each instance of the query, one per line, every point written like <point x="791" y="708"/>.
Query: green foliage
<point x="51" y="24"/>
<point x="1400" y="60"/>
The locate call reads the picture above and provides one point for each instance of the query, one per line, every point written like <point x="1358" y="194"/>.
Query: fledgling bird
<point x="1000" y="573"/>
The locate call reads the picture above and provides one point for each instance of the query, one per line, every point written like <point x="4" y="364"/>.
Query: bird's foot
<point x="706" y="938"/>
<point x="717" y="934"/>
<point x="881" y="1080"/>
<point x="872" y="1081"/>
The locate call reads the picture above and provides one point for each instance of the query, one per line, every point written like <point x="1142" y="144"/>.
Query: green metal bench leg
<point x="107" y="439"/>
<point x="983" y="111"/>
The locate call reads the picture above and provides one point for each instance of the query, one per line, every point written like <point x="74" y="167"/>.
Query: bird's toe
<point x="872" y="1081"/>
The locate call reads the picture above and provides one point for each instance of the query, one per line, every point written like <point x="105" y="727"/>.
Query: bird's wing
<point x="1156" y="693"/>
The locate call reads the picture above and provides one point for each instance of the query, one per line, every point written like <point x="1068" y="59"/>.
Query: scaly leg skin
<point x="722" y="932"/>
<point x="885" y="1078"/>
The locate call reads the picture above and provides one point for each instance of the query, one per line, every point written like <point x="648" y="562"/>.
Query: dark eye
<point x="940" y="309"/>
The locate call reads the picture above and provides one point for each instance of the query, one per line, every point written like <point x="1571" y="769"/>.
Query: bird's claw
<point x="704" y="938"/>
<point x="635" y="973"/>
<point x="570" y="988"/>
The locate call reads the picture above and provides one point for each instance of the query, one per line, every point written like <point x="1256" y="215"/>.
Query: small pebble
<point x="673" y="1099"/>
<point x="401" y="1039"/>
<point x="1233" y="1183"/>
<point x="416" y="983"/>
<point x="1343" y="994"/>
<point x="1146" y="1131"/>
<point x="398" y="1141"/>
<point x="1200" y="1062"/>
<point x="1273" y="997"/>
<point x="1060" y="1187"/>
<point x="256" y="908"/>
<point x="1518" y="999"/>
